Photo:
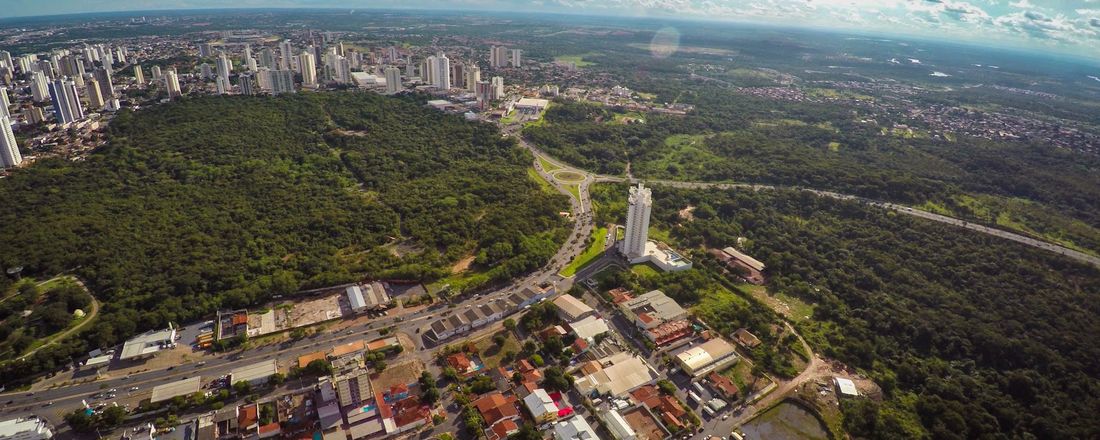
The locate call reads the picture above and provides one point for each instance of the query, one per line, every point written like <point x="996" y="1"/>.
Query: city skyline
<point x="1067" y="27"/>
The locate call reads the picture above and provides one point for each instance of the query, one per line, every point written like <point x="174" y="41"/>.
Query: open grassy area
<point x="547" y="165"/>
<point x="592" y="252"/>
<point x="645" y="270"/>
<point x="542" y="182"/>
<point x="577" y="60"/>
<point x="575" y="190"/>
<point x="686" y="155"/>
<point x="491" y="353"/>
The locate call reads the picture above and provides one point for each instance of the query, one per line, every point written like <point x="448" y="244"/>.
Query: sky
<point x="1066" y="26"/>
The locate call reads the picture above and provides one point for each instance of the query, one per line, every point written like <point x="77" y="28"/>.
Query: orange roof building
<point x="349" y="348"/>
<point x="305" y="359"/>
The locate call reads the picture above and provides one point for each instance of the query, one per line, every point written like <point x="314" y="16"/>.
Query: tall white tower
<point x="393" y="80"/>
<point x="637" y="222"/>
<point x="9" y="151"/>
<point x="442" y="72"/>
<point x="308" y="67"/>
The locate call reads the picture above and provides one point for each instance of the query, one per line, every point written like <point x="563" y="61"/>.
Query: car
<point x="48" y="403"/>
<point x="725" y="416"/>
<point x="135" y="388"/>
<point x="171" y="368"/>
<point x="200" y="364"/>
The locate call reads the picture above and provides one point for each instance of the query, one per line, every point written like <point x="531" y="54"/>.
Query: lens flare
<point x="665" y="42"/>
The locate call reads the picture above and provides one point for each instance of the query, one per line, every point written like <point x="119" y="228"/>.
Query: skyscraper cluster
<point x="500" y="56"/>
<point x="66" y="101"/>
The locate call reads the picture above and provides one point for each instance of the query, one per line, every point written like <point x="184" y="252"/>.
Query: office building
<point x="4" y="102"/>
<point x="393" y="80"/>
<point x="139" y="76"/>
<point x="473" y="76"/>
<point x="95" y="97"/>
<point x="172" y="83"/>
<point x="308" y="66"/>
<point x="516" y="57"/>
<point x="25" y="429"/>
<point x="66" y="101"/>
<point x="106" y="86"/>
<point x="39" y="87"/>
<point x="498" y="87"/>
<point x="9" y="150"/>
<point x="637" y="222"/>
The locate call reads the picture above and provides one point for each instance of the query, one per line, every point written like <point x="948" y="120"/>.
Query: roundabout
<point x="568" y="177"/>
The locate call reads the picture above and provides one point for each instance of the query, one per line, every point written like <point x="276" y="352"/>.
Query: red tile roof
<point x="459" y="361"/>
<point x="247" y="416"/>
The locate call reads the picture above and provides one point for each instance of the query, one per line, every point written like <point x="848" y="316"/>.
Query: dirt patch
<point x="403" y="373"/>
<point x="687" y="214"/>
<point x="463" y="264"/>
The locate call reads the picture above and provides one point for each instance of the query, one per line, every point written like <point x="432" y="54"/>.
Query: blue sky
<point x="1068" y="26"/>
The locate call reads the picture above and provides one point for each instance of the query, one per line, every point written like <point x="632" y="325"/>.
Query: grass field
<point x="645" y="270"/>
<point x="577" y="60"/>
<point x="546" y="165"/>
<point x="575" y="190"/>
<point x="491" y="354"/>
<point x="592" y="252"/>
<point x="542" y="182"/>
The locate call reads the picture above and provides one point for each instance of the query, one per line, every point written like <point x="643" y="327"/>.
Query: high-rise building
<point x="267" y="58"/>
<point x="106" y="87"/>
<point x="308" y="66"/>
<point x="66" y="101"/>
<point x="285" y="52"/>
<point x="206" y="50"/>
<point x="247" y="54"/>
<point x="33" y="114"/>
<point x="222" y="85"/>
<point x="95" y="97"/>
<point x="4" y="102"/>
<point x="39" y="84"/>
<point x="640" y="204"/>
<point x="473" y="76"/>
<point x="441" y="68"/>
<point x="517" y="56"/>
<point x="343" y="70"/>
<point x="281" y="81"/>
<point x="426" y="73"/>
<point x="484" y="92"/>
<point x="498" y="57"/>
<point x="498" y="87"/>
<point x="5" y="59"/>
<point x="458" y="76"/>
<point x="172" y="83"/>
<point x="205" y="71"/>
<point x="246" y="84"/>
<point x="393" y="80"/>
<point x="392" y="55"/>
<point x="32" y="428"/>
<point x="120" y="55"/>
<point x="9" y="150"/>
<point x="224" y="67"/>
<point x="139" y="76"/>
<point x="155" y="71"/>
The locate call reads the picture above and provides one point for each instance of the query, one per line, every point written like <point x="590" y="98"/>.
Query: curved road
<point x="1000" y="233"/>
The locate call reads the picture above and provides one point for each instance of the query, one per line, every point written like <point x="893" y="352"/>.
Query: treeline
<point x="225" y="202"/>
<point x="969" y="336"/>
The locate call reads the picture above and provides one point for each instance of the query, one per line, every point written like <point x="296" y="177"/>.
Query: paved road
<point x="1029" y="241"/>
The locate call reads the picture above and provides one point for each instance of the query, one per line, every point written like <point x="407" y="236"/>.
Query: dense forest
<point x="224" y="202"/>
<point x="747" y="140"/>
<point x="969" y="336"/>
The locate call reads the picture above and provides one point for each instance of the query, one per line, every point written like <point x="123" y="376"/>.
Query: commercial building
<point x="589" y="327"/>
<point x="29" y="428"/>
<point x="618" y="426"/>
<point x="615" y="375"/>
<point x="531" y="105"/>
<point x="148" y="344"/>
<point x="669" y="332"/>
<point x="572" y="309"/>
<point x="574" y="428"/>
<point x="640" y="203"/>
<point x="652" y="309"/>
<point x="183" y="387"/>
<point x="746" y="267"/>
<point x="712" y="355"/>
<point x="9" y="149"/>
<point x="255" y="374"/>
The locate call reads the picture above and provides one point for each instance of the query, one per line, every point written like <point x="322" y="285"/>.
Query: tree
<point x="526" y="432"/>
<point x="242" y="387"/>
<point x="555" y="378"/>
<point x="318" y="367"/>
<point x="112" y="417"/>
<point x="298" y="333"/>
<point x="276" y="379"/>
<point x="379" y="366"/>
<point x="450" y="373"/>
<point x="537" y="359"/>
<point x="80" y="421"/>
<point x="482" y="384"/>
<point x="510" y="324"/>
<point x="499" y="339"/>
<point x="667" y="387"/>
